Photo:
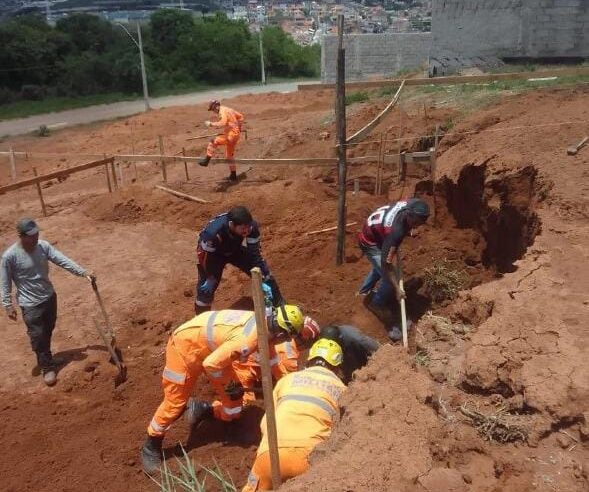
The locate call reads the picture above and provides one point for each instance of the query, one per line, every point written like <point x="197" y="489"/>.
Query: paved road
<point x="117" y="110"/>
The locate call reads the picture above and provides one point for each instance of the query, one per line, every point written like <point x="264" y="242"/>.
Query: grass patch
<point x="357" y="97"/>
<point x="443" y="281"/>
<point x="422" y="358"/>
<point x="499" y="427"/>
<point x="190" y="479"/>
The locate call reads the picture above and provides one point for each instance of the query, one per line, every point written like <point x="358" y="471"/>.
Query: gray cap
<point x="27" y="227"/>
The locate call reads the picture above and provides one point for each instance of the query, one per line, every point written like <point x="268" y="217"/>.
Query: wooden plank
<point x="264" y="361"/>
<point x="452" y="80"/>
<point x="164" y="170"/>
<point x="12" y="160"/>
<point x="365" y="131"/>
<point x="181" y="195"/>
<point x="56" y="174"/>
<point x="340" y="116"/>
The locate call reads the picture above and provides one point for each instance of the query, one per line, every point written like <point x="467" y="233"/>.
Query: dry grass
<point x="443" y="281"/>
<point x="499" y="427"/>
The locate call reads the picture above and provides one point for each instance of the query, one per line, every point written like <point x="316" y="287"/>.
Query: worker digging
<point x="220" y="243"/>
<point x="210" y="343"/>
<point x="26" y="264"/>
<point x="380" y="239"/>
<point x="231" y="122"/>
<point x="306" y="404"/>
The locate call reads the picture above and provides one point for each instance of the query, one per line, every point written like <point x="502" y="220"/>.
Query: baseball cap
<point x="27" y="227"/>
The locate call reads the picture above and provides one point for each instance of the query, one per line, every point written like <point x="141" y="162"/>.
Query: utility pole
<point x="262" y="58"/>
<point x="143" y="74"/>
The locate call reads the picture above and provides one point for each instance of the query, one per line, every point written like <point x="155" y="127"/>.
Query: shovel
<point x="115" y="353"/>
<point x="403" y="308"/>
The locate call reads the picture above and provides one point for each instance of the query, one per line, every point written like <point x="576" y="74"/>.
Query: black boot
<point x="197" y="410"/>
<point x="151" y="454"/>
<point x="204" y="162"/>
<point x="233" y="176"/>
<point x="200" y="309"/>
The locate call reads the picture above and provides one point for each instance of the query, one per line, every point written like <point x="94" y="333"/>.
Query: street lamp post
<point x="141" y="57"/>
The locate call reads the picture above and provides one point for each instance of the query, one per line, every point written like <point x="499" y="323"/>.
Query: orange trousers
<point x="229" y="140"/>
<point x="293" y="462"/>
<point x="180" y="375"/>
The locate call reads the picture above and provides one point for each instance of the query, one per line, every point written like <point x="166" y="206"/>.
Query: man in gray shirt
<point x="26" y="264"/>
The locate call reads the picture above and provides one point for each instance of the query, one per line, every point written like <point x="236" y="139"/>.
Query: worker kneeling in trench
<point x="210" y="342"/>
<point x="306" y="403"/>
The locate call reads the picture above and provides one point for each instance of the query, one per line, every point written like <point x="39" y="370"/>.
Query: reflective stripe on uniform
<point x="211" y="331"/>
<point x="203" y="304"/>
<point x="252" y="240"/>
<point x="157" y="427"/>
<point x="252" y="479"/>
<point x="173" y="376"/>
<point x="232" y="411"/>
<point x="216" y="374"/>
<point x="288" y="350"/>
<point x="247" y="329"/>
<point x="206" y="247"/>
<point x="273" y="361"/>
<point x="309" y="399"/>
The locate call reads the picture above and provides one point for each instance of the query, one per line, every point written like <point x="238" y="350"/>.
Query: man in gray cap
<point x="26" y="264"/>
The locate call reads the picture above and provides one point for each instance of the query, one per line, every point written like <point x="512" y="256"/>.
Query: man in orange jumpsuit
<point x="284" y="359"/>
<point x="306" y="403"/>
<point x="210" y="342"/>
<point x="231" y="121"/>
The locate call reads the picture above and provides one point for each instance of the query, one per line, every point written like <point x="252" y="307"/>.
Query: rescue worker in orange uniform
<point x="306" y="403"/>
<point x="231" y="121"/>
<point x="210" y="342"/>
<point x="284" y="359"/>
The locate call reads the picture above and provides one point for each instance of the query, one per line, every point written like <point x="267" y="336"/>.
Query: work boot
<point x="204" y="162"/>
<point x="233" y="176"/>
<point x="197" y="410"/>
<point x="151" y="454"/>
<point x="49" y="377"/>
<point x="396" y="334"/>
<point x="57" y="361"/>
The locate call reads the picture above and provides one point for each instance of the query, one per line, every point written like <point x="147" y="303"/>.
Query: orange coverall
<point x="231" y="121"/>
<point x="284" y="359"/>
<point x="209" y="342"/>
<point x="306" y="403"/>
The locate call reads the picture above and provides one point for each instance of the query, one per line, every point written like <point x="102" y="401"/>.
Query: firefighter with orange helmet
<point x="210" y="342"/>
<point x="306" y="404"/>
<point x="231" y="122"/>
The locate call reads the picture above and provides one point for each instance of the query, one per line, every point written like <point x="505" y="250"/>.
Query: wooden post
<point x="340" y="115"/>
<point x="106" y="172"/>
<point x="402" y="167"/>
<point x="434" y="171"/>
<point x="264" y="351"/>
<point x="164" y="170"/>
<point x="133" y="147"/>
<point x="185" y="164"/>
<point x="40" y="193"/>
<point x="401" y="160"/>
<point x="12" y="159"/>
<point x="114" y="174"/>
<point x="120" y="170"/>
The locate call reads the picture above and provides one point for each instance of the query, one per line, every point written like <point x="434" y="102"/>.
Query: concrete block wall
<point x="480" y="33"/>
<point x="375" y="55"/>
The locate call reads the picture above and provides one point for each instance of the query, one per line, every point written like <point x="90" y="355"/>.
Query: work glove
<point x="271" y="283"/>
<point x="234" y="390"/>
<point x="209" y="286"/>
<point x="267" y="290"/>
<point x="207" y="123"/>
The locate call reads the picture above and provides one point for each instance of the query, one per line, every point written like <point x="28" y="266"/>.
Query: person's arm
<point x="6" y="287"/>
<point x="222" y="120"/>
<point x="255" y="251"/>
<point x="390" y="247"/>
<point x="57" y="257"/>
<point x="351" y="335"/>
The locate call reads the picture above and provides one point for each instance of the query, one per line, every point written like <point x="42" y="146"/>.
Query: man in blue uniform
<point x="221" y="242"/>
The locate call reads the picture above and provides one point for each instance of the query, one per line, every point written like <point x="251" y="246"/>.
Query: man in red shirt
<point x="382" y="234"/>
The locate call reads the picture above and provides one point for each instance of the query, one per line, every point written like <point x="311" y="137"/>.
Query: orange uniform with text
<point x="209" y="342"/>
<point x="231" y="121"/>
<point x="284" y="359"/>
<point x="306" y="403"/>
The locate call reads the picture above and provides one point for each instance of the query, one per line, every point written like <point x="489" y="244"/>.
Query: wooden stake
<point x="114" y="174"/>
<point x="133" y="147"/>
<point x="120" y="172"/>
<point x="403" y="309"/>
<point x="181" y="195"/>
<point x="319" y="231"/>
<point x="185" y="164"/>
<point x="106" y="172"/>
<point x="164" y="170"/>
<point x="264" y="362"/>
<point x="40" y="193"/>
<point x="340" y="114"/>
<point x="12" y="159"/>
<point x="434" y="171"/>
